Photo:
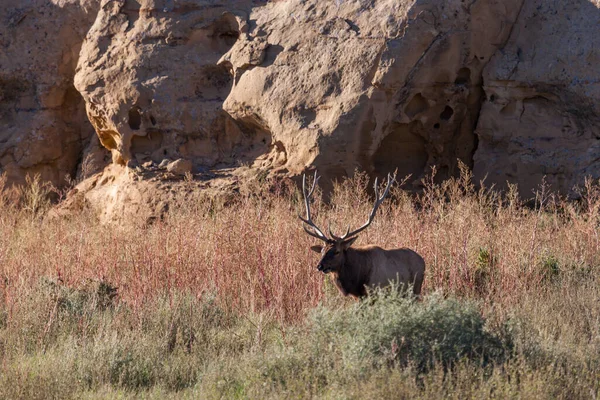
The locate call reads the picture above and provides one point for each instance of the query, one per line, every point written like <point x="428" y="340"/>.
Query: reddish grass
<point x="254" y="256"/>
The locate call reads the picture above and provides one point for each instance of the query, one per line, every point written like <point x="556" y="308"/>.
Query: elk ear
<point x="348" y="243"/>
<point x="316" y="249"/>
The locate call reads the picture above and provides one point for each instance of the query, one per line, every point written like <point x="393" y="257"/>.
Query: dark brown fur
<point x="356" y="269"/>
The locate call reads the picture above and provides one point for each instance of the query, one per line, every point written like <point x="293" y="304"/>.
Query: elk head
<point x="333" y="253"/>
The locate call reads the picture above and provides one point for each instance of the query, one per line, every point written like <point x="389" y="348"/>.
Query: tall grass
<point x="225" y="301"/>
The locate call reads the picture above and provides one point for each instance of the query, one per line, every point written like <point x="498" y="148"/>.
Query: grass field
<point x="224" y="301"/>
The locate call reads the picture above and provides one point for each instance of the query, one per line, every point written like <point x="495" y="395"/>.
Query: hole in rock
<point x="135" y="118"/>
<point x="147" y="144"/>
<point x="416" y="106"/>
<point x="403" y="149"/>
<point x="237" y="142"/>
<point x="255" y="139"/>
<point x="272" y="52"/>
<point x="213" y="82"/>
<point x="109" y="139"/>
<point x="447" y="113"/>
<point x="226" y="30"/>
<point x="463" y="77"/>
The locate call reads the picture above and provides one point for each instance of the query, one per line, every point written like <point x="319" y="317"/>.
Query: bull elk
<point x="354" y="269"/>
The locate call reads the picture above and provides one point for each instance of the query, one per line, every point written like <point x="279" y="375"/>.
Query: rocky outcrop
<point x="541" y="117"/>
<point x="378" y="86"/>
<point x="238" y="88"/>
<point x="43" y="126"/>
<point x="154" y="89"/>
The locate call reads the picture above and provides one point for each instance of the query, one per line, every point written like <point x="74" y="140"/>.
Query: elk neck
<point x="354" y="274"/>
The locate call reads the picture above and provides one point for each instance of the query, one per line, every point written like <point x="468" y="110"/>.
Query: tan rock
<point x="287" y="84"/>
<point x="180" y="167"/>
<point x="541" y="115"/>
<point x="43" y="126"/>
<point x="164" y="163"/>
<point x="152" y="84"/>
<point x="509" y="87"/>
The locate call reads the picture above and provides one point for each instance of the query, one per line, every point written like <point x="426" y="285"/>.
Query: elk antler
<point x="316" y="232"/>
<point x="378" y="200"/>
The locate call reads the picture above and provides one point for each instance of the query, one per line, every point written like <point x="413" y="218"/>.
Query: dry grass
<point x="538" y="266"/>
<point x="255" y="257"/>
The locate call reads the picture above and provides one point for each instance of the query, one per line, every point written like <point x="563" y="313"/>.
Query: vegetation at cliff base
<point x="224" y="300"/>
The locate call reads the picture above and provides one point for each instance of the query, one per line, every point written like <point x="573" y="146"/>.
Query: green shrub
<point x="84" y="299"/>
<point x="483" y="268"/>
<point x="550" y="267"/>
<point x="131" y="370"/>
<point x="395" y="330"/>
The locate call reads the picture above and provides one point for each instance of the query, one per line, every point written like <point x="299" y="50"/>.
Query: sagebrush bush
<point x="388" y="329"/>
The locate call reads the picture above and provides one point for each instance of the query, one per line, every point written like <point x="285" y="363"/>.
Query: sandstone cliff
<point x="236" y="87"/>
<point x="43" y="126"/>
<point x="541" y="116"/>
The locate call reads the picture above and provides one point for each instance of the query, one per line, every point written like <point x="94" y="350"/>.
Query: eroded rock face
<point x="541" y="116"/>
<point x="508" y="87"/>
<point x="150" y="74"/>
<point x="43" y="126"/>
<point x="374" y="85"/>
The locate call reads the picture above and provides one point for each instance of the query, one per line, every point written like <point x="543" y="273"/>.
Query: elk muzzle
<point x="323" y="269"/>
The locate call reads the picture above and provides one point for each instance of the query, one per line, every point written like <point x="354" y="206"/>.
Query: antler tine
<point x="390" y="180"/>
<point x="334" y="237"/>
<point x="314" y="184"/>
<point x="316" y="232"/>
<point x="378" y="200"/>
